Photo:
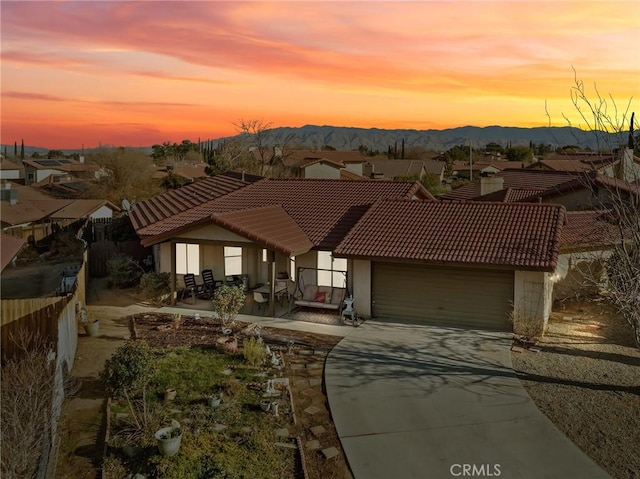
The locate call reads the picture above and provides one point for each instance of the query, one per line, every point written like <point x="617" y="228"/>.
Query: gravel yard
<point x="586" y="379"/>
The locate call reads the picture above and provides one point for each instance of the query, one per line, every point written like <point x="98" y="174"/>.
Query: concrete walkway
<point x="412" y="401"/>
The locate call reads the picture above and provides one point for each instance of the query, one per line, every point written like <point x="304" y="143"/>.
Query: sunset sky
<point x="118" y="73"/>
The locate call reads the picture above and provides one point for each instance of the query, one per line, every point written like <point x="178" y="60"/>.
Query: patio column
<point x="272" y="286"/>
<point x="172" y="277"/>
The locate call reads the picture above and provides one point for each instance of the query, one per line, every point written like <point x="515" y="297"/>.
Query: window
<point x="232" y="260"/>
<point x="265" y="255"/>
<point x="187" y="258"/>
<point x="292" y="268"/>
<point x="331" y="271"/>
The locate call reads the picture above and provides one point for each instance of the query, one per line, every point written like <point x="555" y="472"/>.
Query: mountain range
<point x="350" y="138"/>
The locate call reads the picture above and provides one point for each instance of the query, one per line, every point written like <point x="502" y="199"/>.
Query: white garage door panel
<point x="447" y="296"/>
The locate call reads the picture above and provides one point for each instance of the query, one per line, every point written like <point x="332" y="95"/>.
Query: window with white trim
<point x="232" y="260"/>
<point x="331" y="271"/>
<point x="187" y="258"/>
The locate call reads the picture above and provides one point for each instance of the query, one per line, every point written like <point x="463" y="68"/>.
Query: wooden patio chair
<point x="210" y="283"/>
<point x="192" y="287"/>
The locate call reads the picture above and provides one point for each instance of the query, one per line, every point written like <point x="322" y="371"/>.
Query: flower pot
<point x="214" y="402"/>
<point x="170" y="394"/>
<point x="265" y="405"/>
<point x="169" y="440"/>
<point x="92" y="328"/>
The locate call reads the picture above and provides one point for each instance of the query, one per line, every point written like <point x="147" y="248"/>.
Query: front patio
<point x="250" y="308"/>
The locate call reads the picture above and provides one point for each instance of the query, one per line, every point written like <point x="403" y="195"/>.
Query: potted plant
<point x="214" y="400"/>
<point x="90" y="327"/>
<point x="169" y="440"/>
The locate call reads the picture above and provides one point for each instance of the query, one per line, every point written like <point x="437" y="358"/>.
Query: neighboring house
<point x="622" y="165"/>
<point x="10" y="246"/>
<point x="326" y="164"/>
<point x="190" y="172"/>
<point x="403" y="169"/>
<point x="10" y="170"/>
<point x="586" y="243"/>
<point x="464" y="170"/>
<point x="64" y="186"/>
<point x="401" y="253"/>
<point x="36" y="170"/>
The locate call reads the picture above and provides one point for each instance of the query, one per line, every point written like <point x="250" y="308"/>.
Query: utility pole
<point x="470" y="161"/>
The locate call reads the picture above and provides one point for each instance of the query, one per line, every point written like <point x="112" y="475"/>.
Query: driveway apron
<point x="414" y="401"/>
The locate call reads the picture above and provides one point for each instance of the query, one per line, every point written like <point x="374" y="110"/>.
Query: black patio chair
<point x="192" y="287"/>
<point x="210" y="283"/>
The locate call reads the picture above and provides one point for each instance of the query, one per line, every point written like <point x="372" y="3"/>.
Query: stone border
<point x="303" y="461"/>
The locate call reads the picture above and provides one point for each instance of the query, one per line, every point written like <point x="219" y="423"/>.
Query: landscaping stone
<point x="305" y="352"/>
<point x="312" y="410"/>
<point x="280" y="383"/>
<point x="313" y="445"/>
<point x="320" y="352"/>
<point x="227" y="372"/>
<point x="300" y="382"/>
<point x="309" y="392"/>
<point x="122" y="415"/>
<point x="315" y="382"/>
<point x="318" y="430"/>
<point x="175" y="411"/>
<point x="330" y="452"/>
<point x="314" y="365"/>
<point x="219" y="427"/>
<point x="282" y="432"/>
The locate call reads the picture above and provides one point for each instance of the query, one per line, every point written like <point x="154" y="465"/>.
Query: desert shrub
<point x="113" y="468"/>
<point x="26" y="400"/>
<point x="123" y="271"/>
<point x="254" y="351"/>
<point x="227" y="302"/>
<point x="127" y="373"/>
<point x="155" y="285"/>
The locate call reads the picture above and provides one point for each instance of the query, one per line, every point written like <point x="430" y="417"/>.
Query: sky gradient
<point x="118" y="73"/>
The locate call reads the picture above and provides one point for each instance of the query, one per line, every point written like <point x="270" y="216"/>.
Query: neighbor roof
<point x="324" y="209"/>
<point x="516" y="178"/>
<point x="405" y="168"/>
<point x="523" y="236"/>
<point x="296" y="157"/>
<point x="173" y="202"/>
<point x="27" y="211"/>
<point x="82" y="209"/>
<point x="8" y="165"/>
<point x="512" y="195"/>
<point x="10" y="247"/>
<point x="588" y="229"/>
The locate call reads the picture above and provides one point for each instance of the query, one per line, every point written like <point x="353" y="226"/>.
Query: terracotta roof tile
<point x="270" y="226"/>
<point x="324" y="209"/>
<point x="11" y="245"/>
<point x="526" y="236"/>
<point x="585" y="229"/>
<point x="512" y="195"/>
<point x="161" y="207"/>
<point x="516" y="178"/>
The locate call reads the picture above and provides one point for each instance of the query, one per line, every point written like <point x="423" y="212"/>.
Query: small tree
<point x="128" y="373"/>
<point x="227" y="302"/>
<point x="123" y="271"/>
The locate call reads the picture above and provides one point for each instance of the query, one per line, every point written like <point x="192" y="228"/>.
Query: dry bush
<point x="26" y="406"/>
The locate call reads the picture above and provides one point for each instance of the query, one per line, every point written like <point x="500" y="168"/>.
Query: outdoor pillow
<point x="327" y="298"/>
<point x="320" y="297"/>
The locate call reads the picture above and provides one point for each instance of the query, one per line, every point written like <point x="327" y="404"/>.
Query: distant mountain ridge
<point x="350" y="138"/>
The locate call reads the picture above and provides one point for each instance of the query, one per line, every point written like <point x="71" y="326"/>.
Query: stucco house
<point x="10" y="170"/>
<point x="36" y="170"/>
<point x="401" y="253"/>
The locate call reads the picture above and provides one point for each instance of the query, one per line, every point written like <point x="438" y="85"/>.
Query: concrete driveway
<point x="414" y="401"/>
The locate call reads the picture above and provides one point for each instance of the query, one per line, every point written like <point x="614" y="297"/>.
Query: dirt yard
<point x="586" y="379"/>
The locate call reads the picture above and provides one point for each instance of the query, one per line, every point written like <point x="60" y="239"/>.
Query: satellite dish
<point x="126" y="205"/>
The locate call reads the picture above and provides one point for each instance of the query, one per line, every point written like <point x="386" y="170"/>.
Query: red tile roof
<point x="523" y="236"/>
<point x="296" y="157"/>
<point x="588" y="229"/>
<point x="324" y="209"/>
<point x="516" y="178"/>
<point x="10" y="246"/>
<point x="270" y="226"/>
<point x="166" y="205"/>
<point x="512" y="195"/>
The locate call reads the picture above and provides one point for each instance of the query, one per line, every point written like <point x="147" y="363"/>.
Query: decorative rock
<point x="330" y="452"/>
<point x="318" y="430"/>
<point x="175" y="411"/>
<point x="280" y="383"/>
<point x="305" y="352"/>
<point x="297" y="367"/>
<point x="315" y="382"/>
<point x="282" y="432"/>
<point x="122" y="415"/>
<point x="313" y="445"/>
<point x="312" y="410"/>
<point x="320" y="352"/>
<point x="227" y="372"/>
<point x="219" y="427"/>
<point x="309" y="392"/>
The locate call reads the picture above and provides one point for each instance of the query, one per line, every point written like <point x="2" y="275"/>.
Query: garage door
<point x="447" y="296"/>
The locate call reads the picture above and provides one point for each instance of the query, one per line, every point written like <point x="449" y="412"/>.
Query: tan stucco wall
<point x="579" y="274"/>
<point x="532" y="302"/>
<point x="213" y="233"/>
<point x="354" y="168"/>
